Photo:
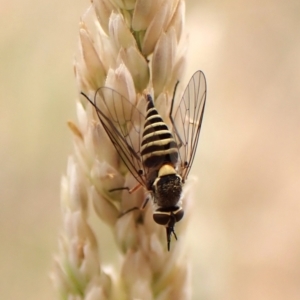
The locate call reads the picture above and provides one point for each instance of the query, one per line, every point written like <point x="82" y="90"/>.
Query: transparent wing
<point x="123" y="123"/>
<point x="187" y="119"/>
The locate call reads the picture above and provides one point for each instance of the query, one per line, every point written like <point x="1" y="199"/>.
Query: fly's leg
<point x="136" y="208"/>
<point x="130" y="191"/>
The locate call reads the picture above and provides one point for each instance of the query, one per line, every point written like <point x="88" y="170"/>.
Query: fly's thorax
<point x="167" y="187"/>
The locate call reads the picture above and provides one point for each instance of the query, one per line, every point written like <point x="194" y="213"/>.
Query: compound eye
<point x="161" y="218"/>
<point x="178" y="214"/>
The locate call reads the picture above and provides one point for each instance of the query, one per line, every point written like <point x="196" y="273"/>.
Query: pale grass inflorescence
<point x="133" y="47"/>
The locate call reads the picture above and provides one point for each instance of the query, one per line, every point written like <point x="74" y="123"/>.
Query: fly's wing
<point x="123" y="123"/>
<point x="187" y="119"/>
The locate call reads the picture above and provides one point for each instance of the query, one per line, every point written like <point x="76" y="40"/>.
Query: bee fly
<point x="158" y="157"/>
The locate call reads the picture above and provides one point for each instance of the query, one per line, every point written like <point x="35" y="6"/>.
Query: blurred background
<point x="244" y="234"/>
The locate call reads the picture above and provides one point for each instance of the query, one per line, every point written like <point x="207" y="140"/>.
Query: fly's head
<point x="168" y="217"/>
<point x="167" y="189"/>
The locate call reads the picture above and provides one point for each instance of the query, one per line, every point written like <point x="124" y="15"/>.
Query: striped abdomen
<point x="158" y="145"/>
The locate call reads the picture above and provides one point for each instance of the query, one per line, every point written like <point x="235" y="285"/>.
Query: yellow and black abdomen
<point x="158" y="146"/>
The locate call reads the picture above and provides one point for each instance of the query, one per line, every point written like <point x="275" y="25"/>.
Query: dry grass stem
<point x="132" y="47"/>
